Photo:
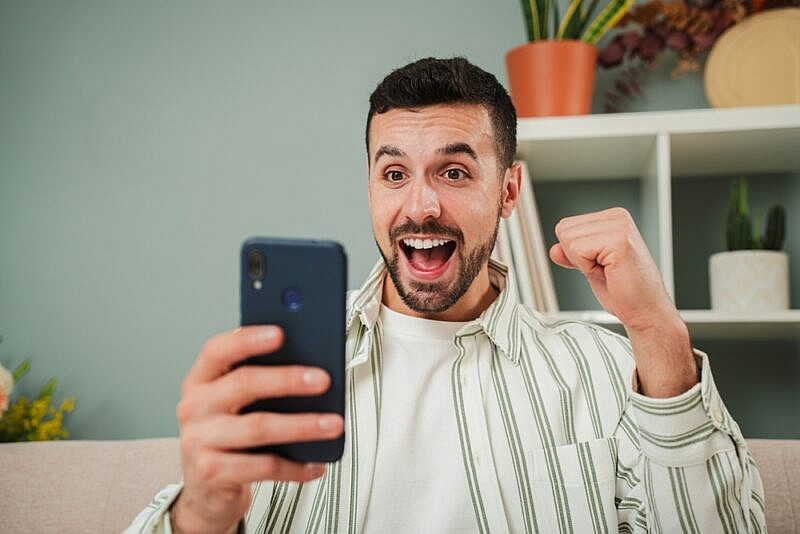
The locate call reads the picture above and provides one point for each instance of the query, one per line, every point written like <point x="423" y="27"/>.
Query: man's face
<point x="435" y="199"/>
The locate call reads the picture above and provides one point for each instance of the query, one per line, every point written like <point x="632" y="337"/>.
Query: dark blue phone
<point x="301" y="286"/>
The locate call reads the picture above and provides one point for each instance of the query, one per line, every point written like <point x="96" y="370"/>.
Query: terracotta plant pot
<point x="553" y="77"/>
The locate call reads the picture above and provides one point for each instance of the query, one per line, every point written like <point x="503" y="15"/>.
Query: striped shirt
<point x="552" y="437"/>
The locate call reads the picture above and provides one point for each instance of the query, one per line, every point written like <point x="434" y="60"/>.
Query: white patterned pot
<point x="749" y="280"/>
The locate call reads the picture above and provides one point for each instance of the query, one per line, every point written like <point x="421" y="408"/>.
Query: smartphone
<point x="299" y="285"/>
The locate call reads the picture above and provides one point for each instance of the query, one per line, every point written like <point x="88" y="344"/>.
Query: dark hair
<point x="430" y="81"/>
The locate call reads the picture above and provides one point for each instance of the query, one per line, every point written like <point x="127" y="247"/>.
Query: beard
<point x="436" y="297"/>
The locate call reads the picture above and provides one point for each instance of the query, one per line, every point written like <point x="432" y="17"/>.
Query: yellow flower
<point x="31" y="419"/>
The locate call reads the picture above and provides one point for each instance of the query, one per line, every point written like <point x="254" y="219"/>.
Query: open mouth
<point x="428" y="256"/>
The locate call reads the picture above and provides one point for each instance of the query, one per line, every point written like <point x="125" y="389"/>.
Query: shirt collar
<point x="499" y="321"/>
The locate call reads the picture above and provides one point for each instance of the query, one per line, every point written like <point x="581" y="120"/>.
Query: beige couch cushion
<point x="779" y="464"/>
<point x="82" y="486"/>
<point x="100" y="486"/>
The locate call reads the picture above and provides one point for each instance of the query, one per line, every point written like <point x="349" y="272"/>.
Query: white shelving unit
<point x="655" y="147"/>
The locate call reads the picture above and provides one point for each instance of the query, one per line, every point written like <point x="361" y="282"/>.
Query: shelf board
<point x="650" y="123"/>
<point x="761" y="151"/>
<point x="598" y="158"/>
<point x="703" y="141"/>
<point x="711" y="324"/>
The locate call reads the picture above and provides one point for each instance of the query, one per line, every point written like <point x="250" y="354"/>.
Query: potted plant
<point x="754" y="274"/>
<point x="553" y="74"/>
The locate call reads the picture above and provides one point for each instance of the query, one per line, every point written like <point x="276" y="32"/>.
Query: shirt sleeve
<point x="155" y="518"/>
<point x="683" y="465"/>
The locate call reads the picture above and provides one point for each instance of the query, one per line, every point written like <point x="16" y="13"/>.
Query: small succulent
<point x="738" y="229"/>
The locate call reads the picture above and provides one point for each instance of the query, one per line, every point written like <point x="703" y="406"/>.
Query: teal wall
<point x="141" y="142"/>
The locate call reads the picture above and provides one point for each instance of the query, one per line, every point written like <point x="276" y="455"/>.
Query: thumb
<point x="559" y="258"/>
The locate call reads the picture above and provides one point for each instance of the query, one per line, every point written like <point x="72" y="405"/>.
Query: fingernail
<point x="314" y="377"/>
<point x="328" y="422"/>
<point x="266" y="333"/>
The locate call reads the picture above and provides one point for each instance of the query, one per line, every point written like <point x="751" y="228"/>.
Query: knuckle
<point x="270" y="465"/>
<point x="241" y="342"/>
<point x="211" y="344"/>
<point x="241" y="378"/>
<point x="256" y="426"/>
<point x="629" y="241"/>
<point x="186" y="386"/>
<point x="190" y="440"/>
<point x="619" y="211"/>
<point x="184" y="410"/>
<point x="207" y="468"/>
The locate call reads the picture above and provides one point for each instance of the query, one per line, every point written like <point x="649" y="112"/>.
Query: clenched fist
<point x="608" y="249"/>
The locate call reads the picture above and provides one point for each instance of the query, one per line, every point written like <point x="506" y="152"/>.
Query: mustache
<point x="428" y="227"/>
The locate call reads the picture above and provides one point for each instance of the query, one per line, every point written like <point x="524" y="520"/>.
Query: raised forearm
<point x="665" y="363"/>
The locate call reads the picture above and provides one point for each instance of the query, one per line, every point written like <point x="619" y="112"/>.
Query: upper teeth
<point x="424" y="243"/>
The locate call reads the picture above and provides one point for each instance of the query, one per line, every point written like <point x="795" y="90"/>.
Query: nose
<point x="422" y="201"/>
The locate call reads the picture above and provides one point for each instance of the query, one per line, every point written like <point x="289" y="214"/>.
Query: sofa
<point x="99" y="486"/>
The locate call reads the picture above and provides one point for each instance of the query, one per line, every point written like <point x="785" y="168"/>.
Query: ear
<point x="512" y="183"/>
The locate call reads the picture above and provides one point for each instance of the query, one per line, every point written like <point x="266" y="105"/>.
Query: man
<point x="467" y="412"/>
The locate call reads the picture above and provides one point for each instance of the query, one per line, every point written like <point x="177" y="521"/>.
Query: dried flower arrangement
<point x="688" y="27"/>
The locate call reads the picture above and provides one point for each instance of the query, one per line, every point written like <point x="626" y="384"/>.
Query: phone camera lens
<point x="255" y="264"/>
<point x="292" y="299"/>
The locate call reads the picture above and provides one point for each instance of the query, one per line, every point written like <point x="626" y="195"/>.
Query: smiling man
<point x="468" y="412"/>
<point x="436" y="202"/>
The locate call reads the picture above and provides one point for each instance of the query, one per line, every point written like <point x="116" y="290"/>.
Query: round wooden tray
<point x="756" y="62"/>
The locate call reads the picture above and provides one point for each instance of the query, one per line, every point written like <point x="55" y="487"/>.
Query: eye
<point x="394" y="177"/>
<point x="455" y="174"/>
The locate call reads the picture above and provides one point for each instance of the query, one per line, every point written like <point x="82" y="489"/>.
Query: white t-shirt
<point x="417" y="420"/>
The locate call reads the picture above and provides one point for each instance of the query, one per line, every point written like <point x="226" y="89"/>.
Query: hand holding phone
<point x="217" y="475"/>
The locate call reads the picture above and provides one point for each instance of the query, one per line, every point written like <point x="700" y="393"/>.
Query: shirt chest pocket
<point x="575" y="485"/>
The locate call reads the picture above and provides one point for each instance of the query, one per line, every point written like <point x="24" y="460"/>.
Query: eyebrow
<point x="452" y="148"/>
<point x="388" y="150"/>
<point x="459" y="148"/>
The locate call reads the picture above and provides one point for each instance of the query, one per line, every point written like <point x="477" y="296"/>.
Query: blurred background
<point x="142" y="142"/>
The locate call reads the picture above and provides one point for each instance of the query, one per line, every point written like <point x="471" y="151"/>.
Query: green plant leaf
<point x="536" y="27"/>
<point x="546" y="20"/>
<point x="743" y="203"/>
<point x="587" y="15"/>
<point x="556" y="16"/>
<point x="570" y="21"/>
<point x="526" y="12"/>
<point x="47" y="390"/>
<point x="21" y="370"/>
<point x="543" y="7"/>
<point x="606" y="19"/>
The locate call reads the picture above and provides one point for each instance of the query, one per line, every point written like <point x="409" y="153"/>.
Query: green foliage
<point x="738" y="232"/>
<point x="776" y="228"/>
<point x="577" y="22"/>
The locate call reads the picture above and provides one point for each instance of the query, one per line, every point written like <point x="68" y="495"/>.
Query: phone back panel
<point x="314" y="332"/>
